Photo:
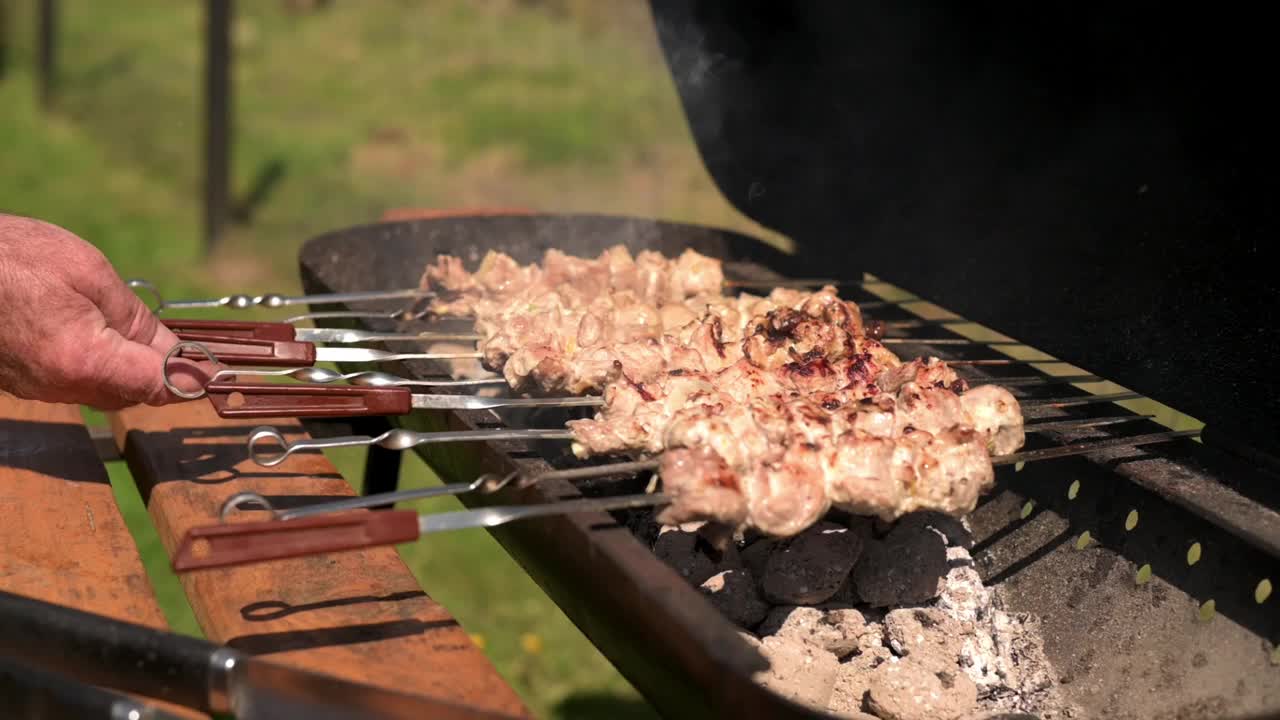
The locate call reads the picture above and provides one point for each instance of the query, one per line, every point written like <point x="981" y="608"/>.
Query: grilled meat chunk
<point x="702" y="486"/>
<point x="995" y="414"/>
<point x="767" y="411"/>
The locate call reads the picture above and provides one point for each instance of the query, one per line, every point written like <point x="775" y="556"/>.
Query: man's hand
<point x="72" y="331"/>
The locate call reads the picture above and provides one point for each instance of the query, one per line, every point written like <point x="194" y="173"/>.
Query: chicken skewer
<point x="950" y="467"/>
<point x="268" y="447"/>
<point x="402" y="442"/>
<point x="224" y="545"/>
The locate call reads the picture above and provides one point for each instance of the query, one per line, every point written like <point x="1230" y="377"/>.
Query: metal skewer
<point x="947" y="341"/>
<point x="415" y="310"/>
<point x="1033" y="380"/>
<point x="273" y="300"/>
<point x="788" y="283"/>
<point x="365" y="378"/>
<point x="392" y="440"/>
<point x="1079" y="423"/>
<point x="1085" y="447"/>
<point x="1078" y="400"/>
<point x="485" y="483"/>
<point x="997" y="362"/>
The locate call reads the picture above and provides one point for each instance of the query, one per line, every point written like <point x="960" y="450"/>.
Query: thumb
<point x="130" y="373"/>
<point x="124" y="373"/>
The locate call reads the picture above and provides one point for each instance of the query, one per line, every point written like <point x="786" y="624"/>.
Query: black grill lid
<point x="1094" y="180"/>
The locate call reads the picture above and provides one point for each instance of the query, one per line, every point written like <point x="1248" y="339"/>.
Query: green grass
<point x="382" y="103"/>
<point x="561" y="106"/>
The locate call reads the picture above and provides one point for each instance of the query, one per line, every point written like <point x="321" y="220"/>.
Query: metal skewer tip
<point x="272" y="300"/>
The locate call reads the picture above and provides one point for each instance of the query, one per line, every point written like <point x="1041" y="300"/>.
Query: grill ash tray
<point x="1143" y="574"/>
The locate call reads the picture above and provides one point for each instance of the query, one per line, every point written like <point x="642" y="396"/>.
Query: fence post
<point x="217" y="125"/>
<point x="47" y="51"/>
<point x="4" y="37"/>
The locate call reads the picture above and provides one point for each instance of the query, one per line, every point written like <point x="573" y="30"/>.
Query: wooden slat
<point x="62" y="535"/>
<point x="62" y="538"/>
<point x="359" y="615"/>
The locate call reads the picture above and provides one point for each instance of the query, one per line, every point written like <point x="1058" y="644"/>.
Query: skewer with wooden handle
<point x="224" y="545"/>
<point x="291" y="353"/>
<point x="405" y="439"/>
<point x="240" y="400"/>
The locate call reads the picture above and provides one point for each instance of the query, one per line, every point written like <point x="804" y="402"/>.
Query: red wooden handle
<point x="229" y="544"/>
<point x="250" y="351"/>
<point x="231" y="328"/>
<point x="244" y="400"/>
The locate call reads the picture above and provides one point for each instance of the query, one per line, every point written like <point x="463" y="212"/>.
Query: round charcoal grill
<point x="1150" y="569"/>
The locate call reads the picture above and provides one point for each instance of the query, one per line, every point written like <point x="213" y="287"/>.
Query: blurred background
<point x="341" y="110"/>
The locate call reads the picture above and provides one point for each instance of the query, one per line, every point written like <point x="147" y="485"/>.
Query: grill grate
<point x="1096" y="547"/>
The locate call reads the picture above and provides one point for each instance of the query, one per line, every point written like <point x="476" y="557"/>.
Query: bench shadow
<point x="61" y="450"/>
<point x="275" y="609"/>
<point x="593" y="705"/>
<point x="209" y="463"/>
<point x="267" y="643"/>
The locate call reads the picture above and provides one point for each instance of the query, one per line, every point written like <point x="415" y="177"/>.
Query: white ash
<point x="798" y="671"/>
<point x="1002" y="652"/>
<point x="908" y="691"/>
<point x="838" y="630"/>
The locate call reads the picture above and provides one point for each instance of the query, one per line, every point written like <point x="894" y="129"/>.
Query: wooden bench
<point x="360" y="616"/>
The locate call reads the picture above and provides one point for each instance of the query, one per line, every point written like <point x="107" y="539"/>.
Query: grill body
<point x="1122" y="649"/>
